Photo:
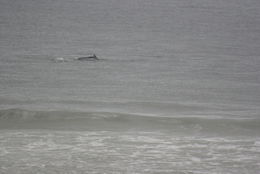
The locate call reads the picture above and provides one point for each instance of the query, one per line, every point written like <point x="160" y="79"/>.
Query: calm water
<point x="176" y="89"/>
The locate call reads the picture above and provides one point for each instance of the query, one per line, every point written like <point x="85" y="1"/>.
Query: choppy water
<point x="130" y="152"/>
<point x="176" y="89"/>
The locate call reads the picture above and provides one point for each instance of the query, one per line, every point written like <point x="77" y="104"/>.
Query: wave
<point x="69" y="120"/>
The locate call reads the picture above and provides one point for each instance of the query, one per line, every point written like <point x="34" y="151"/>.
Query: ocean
<point x="176" y="88"/>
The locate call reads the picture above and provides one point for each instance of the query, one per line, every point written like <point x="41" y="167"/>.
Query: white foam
<point x="59" y="59"/>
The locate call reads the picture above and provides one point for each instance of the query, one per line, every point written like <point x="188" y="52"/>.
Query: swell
<point x="104" y="121"/>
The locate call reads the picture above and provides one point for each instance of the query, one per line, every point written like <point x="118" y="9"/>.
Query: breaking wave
<point x="69" y="120"/>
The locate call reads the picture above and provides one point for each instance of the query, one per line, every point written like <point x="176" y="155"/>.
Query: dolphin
<point x="90" y="57"/>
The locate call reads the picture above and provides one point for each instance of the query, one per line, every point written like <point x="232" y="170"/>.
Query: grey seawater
<point x="176" y="89"/>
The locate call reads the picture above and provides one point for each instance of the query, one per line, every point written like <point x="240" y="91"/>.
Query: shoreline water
<point x="176" y="89"/>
